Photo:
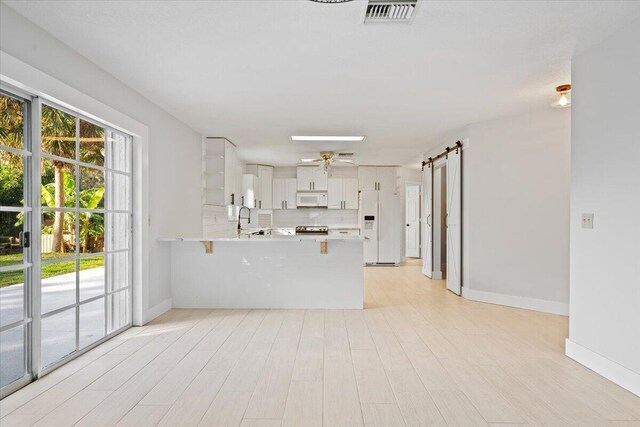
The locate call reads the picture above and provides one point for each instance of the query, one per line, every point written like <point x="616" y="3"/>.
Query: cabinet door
<point x="367" y="178"/>
<point x="305" y="178"/>
<point x="386" y="179"/>
<point x="279" y="193"/>
<point x="248" y="191"/>
<point x="334" y="195"/>
<point x="265" y="176"/>
<point x="229" y="183"/>
<point x="320" y="179"/>
<point x="291" y="201"/>
<point x="350" y="193"/>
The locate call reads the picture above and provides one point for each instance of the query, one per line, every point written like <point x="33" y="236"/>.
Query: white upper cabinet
<point x="377" y="178"/>
<point x="342" y="193"/>
<point x="249" y="187"/>
<point x="284" y="193"/>
<point x="264" y="185"/>
<point x="312" y="178"/>
<point x="305" y="178"/>
<point x="222" y="172"/>
<point x="350" y="193"/>
<point x="387" y="178"/>
<point x="368" y="178"/>
<point x="320" y="179"/>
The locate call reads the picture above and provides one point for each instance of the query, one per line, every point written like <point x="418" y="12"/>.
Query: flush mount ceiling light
<point x="321" y="138"/>
<point x="563" y="97"/>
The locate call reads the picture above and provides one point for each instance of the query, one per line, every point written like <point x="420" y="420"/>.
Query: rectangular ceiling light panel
<point x="320" y="138"/>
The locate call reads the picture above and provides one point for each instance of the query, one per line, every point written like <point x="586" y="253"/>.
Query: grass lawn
<point x="13" y="277"/>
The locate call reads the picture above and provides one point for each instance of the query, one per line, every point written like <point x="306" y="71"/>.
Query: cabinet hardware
<point x="286" y="204"/>
<point x="233" y="199"/>
<point x="260" y="203"/>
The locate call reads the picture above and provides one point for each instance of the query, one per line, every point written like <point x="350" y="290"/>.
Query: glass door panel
<point x="15" y="255"/>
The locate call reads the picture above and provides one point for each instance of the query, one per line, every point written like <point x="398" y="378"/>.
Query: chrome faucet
<point x="248" y="218"/>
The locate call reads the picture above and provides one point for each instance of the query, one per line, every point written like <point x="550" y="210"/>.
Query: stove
<point x="312" y="229"/>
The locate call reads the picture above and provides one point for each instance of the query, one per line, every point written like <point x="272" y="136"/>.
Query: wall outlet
<point x="587" y="220"/>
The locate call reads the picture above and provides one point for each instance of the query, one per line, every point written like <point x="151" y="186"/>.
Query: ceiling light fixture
<point x="312" y="138"/>
<point x="563" y="97"/>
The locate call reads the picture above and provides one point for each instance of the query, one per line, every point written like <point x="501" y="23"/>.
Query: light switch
<point x="587" y="220"/>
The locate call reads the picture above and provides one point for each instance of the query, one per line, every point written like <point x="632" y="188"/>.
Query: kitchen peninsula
<point x="267" y="272"/>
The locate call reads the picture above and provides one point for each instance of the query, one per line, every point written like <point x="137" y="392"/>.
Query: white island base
<point x="267" y="273"/>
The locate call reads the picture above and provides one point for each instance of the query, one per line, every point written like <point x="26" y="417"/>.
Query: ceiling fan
<point x="327" y="158"/>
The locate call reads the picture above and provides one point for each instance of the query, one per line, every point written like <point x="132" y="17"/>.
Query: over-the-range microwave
<point x="312" y="200"/>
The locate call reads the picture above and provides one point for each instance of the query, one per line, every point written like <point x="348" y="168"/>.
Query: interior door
<point x="427" y="222"/>
<point x="454" y="221"/>
<point x="412" y="217"/>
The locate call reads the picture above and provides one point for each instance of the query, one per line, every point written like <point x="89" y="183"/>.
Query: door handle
<point x="407" y="225"/>
<point x="25" y="239"/>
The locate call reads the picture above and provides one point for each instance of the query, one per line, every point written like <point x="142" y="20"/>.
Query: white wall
<point x="173" y="189"/>
<point x="605" y="261"/>
<point x="516" y="210"/>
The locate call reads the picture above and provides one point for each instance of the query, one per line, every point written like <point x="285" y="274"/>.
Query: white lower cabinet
<point x="342" y="193"/>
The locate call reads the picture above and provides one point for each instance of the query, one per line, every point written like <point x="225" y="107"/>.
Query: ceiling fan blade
<point x="344" y="160"/>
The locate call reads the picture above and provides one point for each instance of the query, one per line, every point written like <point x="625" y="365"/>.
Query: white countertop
<point x="258" y="238"/>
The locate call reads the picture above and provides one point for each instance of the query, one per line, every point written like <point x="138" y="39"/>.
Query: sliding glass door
<point x="75" y="289"/>
<point x="85" y="234"/>
<point x="15" y="254"/>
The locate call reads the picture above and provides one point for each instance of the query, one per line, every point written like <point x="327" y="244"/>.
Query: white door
<point x="350" y="193"/>
<point x="305" y="178"/>
<point x="427" y="222"/>
<point x="454" y="221"/>
<point x="368" y="178"/>
<point x="412" y="217"/>
<point x="334" y="194"/>
<point x="386" y="178"/>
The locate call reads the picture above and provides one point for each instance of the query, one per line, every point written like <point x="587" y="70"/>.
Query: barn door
<point x="427" y="221"/>
<point x="454" y="221"/>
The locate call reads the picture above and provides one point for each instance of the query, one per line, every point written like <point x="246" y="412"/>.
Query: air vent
<point x="390" y="11"/>
<point x="345" y="154"/>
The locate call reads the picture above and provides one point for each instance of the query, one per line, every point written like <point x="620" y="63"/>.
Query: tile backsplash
<point x="310" y="216"/>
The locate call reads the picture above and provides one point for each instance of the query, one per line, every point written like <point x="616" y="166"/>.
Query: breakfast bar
<point x="298" y="272"/>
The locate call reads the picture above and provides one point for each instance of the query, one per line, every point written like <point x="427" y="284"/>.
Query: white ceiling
<point x="260" y="71"/>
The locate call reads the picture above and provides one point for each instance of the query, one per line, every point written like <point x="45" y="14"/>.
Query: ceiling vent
<point x="390" y="10"/>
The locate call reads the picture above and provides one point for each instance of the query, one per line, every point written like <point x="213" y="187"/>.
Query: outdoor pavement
<point x="58" y="331"/>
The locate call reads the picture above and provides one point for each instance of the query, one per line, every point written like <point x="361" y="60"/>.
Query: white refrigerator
<point x="380" y="226"/>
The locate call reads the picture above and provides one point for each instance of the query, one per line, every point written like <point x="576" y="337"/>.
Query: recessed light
<point x="313" y="138"/>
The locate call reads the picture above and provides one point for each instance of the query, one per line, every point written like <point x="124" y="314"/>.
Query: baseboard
<point x="157" y="310"/>
<point x="612" y="371"/>
<point x="545" y="306"/>
<point x="437" y="275"/>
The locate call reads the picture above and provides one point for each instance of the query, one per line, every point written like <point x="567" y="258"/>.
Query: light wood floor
<point x="417" y="355"/>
